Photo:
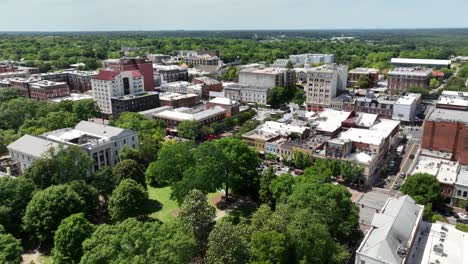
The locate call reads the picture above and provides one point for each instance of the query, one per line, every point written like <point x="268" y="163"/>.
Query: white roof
<point x="445" y="171"/>
<point x="365" y="136"/>
<point x="462" y="177"/>
<point x="364" y="70"/>
<point x="411" y="71"/>
<point x="406" y="100"/>
<point x="181" y="116"/>
<point x="223" y="101"/>
<point x="72" y="97"/>
<point x="366" y="120"/>
<point x="452" y="242"/>
<point x="282" y="129"/>
<point x="395" y="226"/>
<point x="31" y="145"/>
<point x="361" y="157"/>
<point x="329" y="120"/>
<point x="420" y="61"/>
<point x="104" y="131"/>
<point x="175" y="96"/>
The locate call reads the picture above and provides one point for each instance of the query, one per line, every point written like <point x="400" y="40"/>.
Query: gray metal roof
<point x="31" y="145"/>
<point x="102" y="130"/>
<point x="393" y="227"/>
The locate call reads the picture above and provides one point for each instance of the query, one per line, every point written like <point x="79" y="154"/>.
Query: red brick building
<point x="178" y="100"/>
<point x="355" y="74"/>
<point x="44" y="90"/>
<point x="209" y="85"/>
<point x="447" y="131"/>
<point x="401" y="79"/>
<point x="129" y="64"/>
<point x="231" y="106"/>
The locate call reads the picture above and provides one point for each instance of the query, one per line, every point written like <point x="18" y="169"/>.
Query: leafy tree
<point x="85" y="109"/>
<point x="48" y="208"/>
<point x="301" y="160"/>
<point x="88" y="194"/>
<point x="424" y="189"/>
<point x="10" y="248"/>
<point x="277" y="97"/>
<point x="60" y="166"/>
<point x="137" y="242"/>
<point x="147" y="129"/>
<point x="15" y="195"/>
<point x="173" y="159"/>
<point x="129" y="169"/>
<point x="15" y="112"/>
<point x="268" y="247"/>
<point x="189" y="129"/>
<point x="311" y="239"/>
<point x="265" y="193"/>
<point x="199" y="217"/>
<point x="241" y="163"/>
<point x="329" y="203"/>
<point x="299" y="97"/>
<point x="282" y="186"/>
<point x="434" y="83"/>
<point x="363" y="82"/>
<point x="128" y="153"/>
<point x="104" y="182"/>
<point x="207" y="175"/>
<point x="127" y="200"/>
<point x="7" y="94"/>
<point x="227" y="245"/>
<point x="69" y="238"/>
<point x="7" y="137"/>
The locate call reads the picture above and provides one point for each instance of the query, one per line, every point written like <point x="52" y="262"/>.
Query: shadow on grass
<point x="153" y="206"/>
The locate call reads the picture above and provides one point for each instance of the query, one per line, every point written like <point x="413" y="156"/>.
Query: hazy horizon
<point x="240" y="15"/>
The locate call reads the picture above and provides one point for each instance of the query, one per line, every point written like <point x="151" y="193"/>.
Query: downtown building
<point x="122" y="91"/>
<point x="267" y="77"/>
<point x="324" y="83"/>
<point x="101" y="142"/>
<point x="403" y="78"/>
<point x="145" y="68"/>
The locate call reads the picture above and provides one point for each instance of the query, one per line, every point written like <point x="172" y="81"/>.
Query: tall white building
<point x="246" y="93"/>
<point x="323" y="83"/>
<point x="405" y="108"/>
<point x="311" y="59"/>
<point x="267" y="77"/>
<point x="109" y="83"/>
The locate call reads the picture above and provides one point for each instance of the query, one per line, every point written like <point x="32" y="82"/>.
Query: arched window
<point x="459" y="193"/>
<point x="465" y="194"/>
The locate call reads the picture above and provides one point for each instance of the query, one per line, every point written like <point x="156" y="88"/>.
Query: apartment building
<point x="267" y="77"/>
<point x="45" y="90"/>
<point x="371" y="74"/>
<point x="311" y="59"/>
<point x="177" y="100"/>
<point x="402" y="78"/>
<point x="323" y="84"/>
<point x="208" y="85"/>
<point x="169" y="73"/>
<point x="101" y="142"/>
<point x="118" y="91"/>
<point x="145" y="68"/>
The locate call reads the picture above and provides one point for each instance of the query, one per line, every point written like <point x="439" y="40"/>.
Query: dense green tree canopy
<point x="48" y="208"/>
<point x="128" y="200"/>
<point x="62" y="165"/>
<point x="137" y="242"/>
<point x="69" y="238"/>
<point x="199" y="217"/>
<point x="129" y="169"/>
<point x="15" y="195"/>
<point x="227" y="245"/>
<point x="10" y="248"/>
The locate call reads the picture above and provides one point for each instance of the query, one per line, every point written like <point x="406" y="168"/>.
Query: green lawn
<point x="169" y="207"/>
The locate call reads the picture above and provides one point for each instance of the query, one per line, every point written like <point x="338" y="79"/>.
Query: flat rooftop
<point x="369" y="204"/>
<point x="175" y="96"/>
<point x="443" y="244"/>
<point x="71" y="97"/>
<point x="447" y="115"/>
<point x="364" y="71"/>
<point x="411" y="71"/>
<point x="329" y="120"/>
<point x="445" y="171"/>
<point x="429" y="62"/>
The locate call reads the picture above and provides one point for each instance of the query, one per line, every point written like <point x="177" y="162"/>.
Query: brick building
<point x="208" y="85"/>
<point x="400" y="79"/>
<point x="130" y="64"/>
<point x="447" y="131"/>
<point x="231" y="106"/>
<point x="371" y="74"/>
<point x="44" y="90"/>
<point x="179" y="100"/>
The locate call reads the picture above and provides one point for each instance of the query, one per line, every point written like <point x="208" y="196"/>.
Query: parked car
<point x="402" y="175"/>
<point x="462" y="218"/>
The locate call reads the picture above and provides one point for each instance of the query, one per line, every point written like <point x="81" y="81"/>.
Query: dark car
<point x="411" y="156"/>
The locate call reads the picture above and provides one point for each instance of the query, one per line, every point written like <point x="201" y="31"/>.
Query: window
<point x="465" y="194"/>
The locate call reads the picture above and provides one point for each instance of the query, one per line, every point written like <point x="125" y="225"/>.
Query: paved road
<point x="410" y="156"/>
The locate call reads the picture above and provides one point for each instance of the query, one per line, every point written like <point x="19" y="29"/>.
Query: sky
<point x="110" y="15"/>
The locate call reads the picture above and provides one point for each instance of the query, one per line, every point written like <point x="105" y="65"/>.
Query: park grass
<point x="45" y="259"/>
<point x="169" y="208"/>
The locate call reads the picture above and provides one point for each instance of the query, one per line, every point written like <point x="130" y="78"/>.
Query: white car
<point x="462" y="216"/>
